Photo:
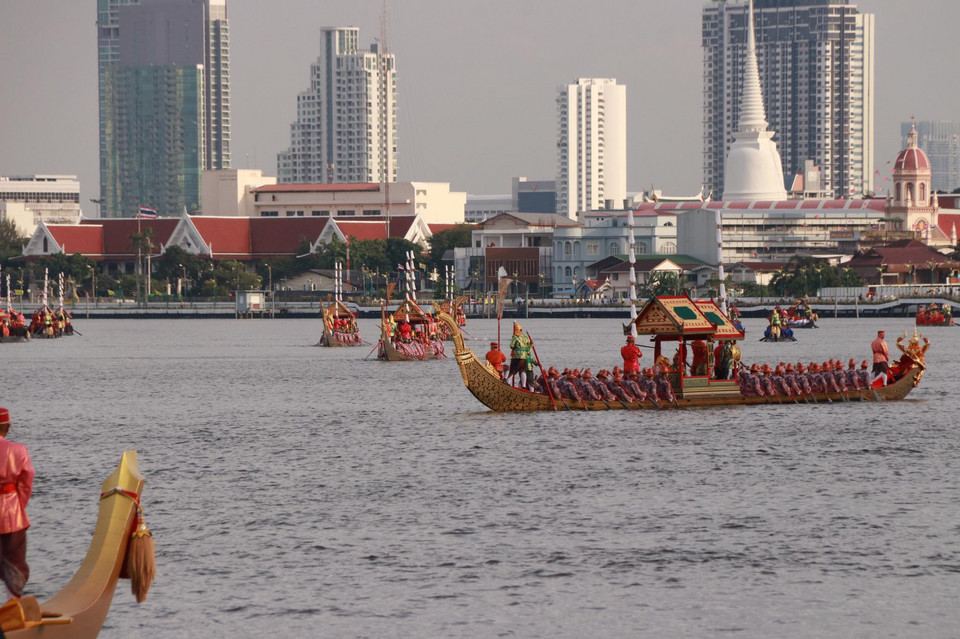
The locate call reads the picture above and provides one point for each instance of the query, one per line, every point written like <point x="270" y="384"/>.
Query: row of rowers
<point x="610" y="386"/>
<point x="787" y="380"/>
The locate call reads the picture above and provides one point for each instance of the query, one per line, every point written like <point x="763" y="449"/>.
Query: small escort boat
<point x="673" y="319"/>
<point x="935" y="315"/>
<point x="409" y="334"/>
<point x="339" y="326"/>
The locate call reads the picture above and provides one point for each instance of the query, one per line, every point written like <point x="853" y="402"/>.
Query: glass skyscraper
<point x="164" y="102"/>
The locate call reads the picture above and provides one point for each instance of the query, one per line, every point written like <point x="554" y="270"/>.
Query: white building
<point x="346" y="128"/>
<point x="432" y="201"/>
<point x="754" y="170"/>
<point x="483" y="207"/>
<point x="28" y="200"/>
<point x="229" y="192"/>
<point x="604" y="234"/>
<point x="816" y="68"/>
<point x="591" y="146"/>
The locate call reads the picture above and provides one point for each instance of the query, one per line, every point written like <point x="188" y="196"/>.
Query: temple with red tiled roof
<point x="244" y="239"/>
<point x="903" y="262"/>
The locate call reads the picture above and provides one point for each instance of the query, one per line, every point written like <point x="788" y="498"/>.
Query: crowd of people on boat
<point x="935" y="315"/>
<point x="414" y="341"/>
<point x="344" y="329"/>
<point x="657" y="383"/>
<point x="49" y="323"/>
<point x="13" y="324"/>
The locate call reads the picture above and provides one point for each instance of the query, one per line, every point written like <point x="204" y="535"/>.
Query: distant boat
<point x="339" y="326"/>
<point x="13" y="326"/>
<point x="409" y="334"/>
<point x="935" y="315"/>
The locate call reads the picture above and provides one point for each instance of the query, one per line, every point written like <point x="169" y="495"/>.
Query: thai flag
<point x="148" y="213"/>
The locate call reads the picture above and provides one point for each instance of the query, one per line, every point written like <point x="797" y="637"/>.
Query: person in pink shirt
<point x="16" y="484"/>
<point x="881" y="357"/>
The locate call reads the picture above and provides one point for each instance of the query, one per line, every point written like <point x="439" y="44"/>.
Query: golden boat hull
<point x="486" y="386"/>
<point x="79" y="610"/>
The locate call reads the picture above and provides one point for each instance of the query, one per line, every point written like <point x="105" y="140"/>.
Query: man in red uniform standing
<point x="631" y="355"/>
<point x="881" y="357"/>
<point x="16" y="484"/>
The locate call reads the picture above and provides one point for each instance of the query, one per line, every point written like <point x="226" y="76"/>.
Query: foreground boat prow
<point x="80" y="609"/>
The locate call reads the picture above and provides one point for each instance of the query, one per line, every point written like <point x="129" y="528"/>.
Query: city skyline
<point x="476" y="95"/>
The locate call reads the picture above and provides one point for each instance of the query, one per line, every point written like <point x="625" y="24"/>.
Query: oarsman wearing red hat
<point x="631" y="355"/>
<point x="568" y="386"/>
<point x="766" y="382"/>
<point x="866" y="379"/>
<point x="16" y="484"/>
<point x="853" y="379"/>
<point x="649" y="386"/>
<point x="749" y="381"/>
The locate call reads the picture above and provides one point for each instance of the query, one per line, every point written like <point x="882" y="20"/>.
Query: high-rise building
<point x="940" y="140"/>
<point x="346" y="128"/>
<point x="816" y="66"/>
<point x="591" y="146"/>
<point x="164" y="70"/>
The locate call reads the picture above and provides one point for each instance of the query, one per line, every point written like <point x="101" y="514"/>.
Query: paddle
<point x="373" y="349"/>
<point x="543" y="375"/>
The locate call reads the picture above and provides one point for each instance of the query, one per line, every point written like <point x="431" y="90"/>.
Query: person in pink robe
<point x="16" y="484"/>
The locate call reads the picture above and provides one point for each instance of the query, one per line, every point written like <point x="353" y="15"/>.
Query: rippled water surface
<point x="303" y="492"/>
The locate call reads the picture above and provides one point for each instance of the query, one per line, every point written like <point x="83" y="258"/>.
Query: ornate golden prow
<point x="458" y="344"/>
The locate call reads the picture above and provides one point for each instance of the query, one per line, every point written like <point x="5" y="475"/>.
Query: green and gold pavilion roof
<point x="679" y="316"/>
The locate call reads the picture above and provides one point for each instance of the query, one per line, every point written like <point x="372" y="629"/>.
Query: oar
<point x="542" y="373"/>
<point x="373" y="349"/>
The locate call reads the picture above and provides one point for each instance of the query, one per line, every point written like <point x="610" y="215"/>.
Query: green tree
<point x="803" y="276"/>
<point x="176" y="263"/>
<point x="443" y="241"/>
<point x="231" y="275"/>
<point x="752" y="289"/>
<point x="661" y="283"/>
<point x="11" y="242"/>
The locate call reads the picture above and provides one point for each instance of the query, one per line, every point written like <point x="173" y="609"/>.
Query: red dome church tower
<point x="912" y="200"/>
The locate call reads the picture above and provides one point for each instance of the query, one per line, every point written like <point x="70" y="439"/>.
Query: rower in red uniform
<point x="631" y="356"/>
<point x="16" y="484"/>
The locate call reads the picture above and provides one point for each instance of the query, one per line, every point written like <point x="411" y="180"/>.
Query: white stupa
<point x="754" y="170"/>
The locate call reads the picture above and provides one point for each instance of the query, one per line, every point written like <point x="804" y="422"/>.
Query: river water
<point x="297" y="491"/>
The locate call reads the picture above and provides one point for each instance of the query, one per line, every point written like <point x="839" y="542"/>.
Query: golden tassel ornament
<point x="141" y="559"/>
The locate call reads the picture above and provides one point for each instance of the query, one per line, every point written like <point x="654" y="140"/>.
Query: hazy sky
<point x="476" y="81"/>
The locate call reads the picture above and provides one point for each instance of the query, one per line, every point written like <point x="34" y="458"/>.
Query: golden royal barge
<point x="672" y="319"/>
